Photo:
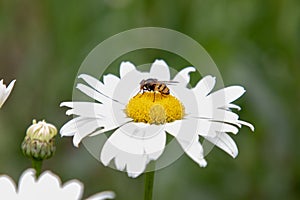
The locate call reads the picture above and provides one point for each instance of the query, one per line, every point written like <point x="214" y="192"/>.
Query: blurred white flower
<point x="5" y="91"/>
<point x="47" y="187"/>
<point x="142" y="120"/>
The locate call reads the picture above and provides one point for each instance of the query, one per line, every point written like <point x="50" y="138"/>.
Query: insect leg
<point x="142" y="93"/>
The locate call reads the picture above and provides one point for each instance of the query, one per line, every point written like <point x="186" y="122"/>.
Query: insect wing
<point x="169" y="82"/>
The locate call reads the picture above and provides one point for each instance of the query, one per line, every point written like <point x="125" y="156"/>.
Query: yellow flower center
<point x="154" y="108"/>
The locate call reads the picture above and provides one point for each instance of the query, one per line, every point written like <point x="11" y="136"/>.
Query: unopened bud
<point x="39" y="142"/>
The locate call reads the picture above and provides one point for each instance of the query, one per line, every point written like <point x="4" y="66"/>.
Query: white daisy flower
<point x="5" y="91"/>
<point x="47" y="186"/>
<point x="140" y="120"/>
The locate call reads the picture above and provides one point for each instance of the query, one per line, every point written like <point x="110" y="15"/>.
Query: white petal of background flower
<point x="5" y="91"/>
<point x="7" y="187"/>
<point x="102" y="196"/>
<point x="47" y="187"/>
<point x="72" y="188"/>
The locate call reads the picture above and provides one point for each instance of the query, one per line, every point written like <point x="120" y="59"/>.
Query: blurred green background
<point x="254" y="43"/>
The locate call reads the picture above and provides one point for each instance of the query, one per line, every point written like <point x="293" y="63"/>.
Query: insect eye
<point x="145" y="87"/>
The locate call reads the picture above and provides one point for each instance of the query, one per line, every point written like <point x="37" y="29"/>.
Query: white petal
<point x="225" y="142"/>
<point x="49" y="178"/>
<point x="210" y="128"/>
<point x="85" y="109"/>
<point x="72" y="190"/>
<point x="194" y="150"/>
<point x="214" y="110"/>
<point x="126" y="67"/>
<point x="233" y="106"/>
<point x="5" y="92"/>
<point x="108" y="152"/>
<point x="224" y="115"/>
<point x="225" y="96"/>
<point x="129" y="86"/>
<point x="10" y="87"/>
<point x="216" y="106"/>
<point x="7" y="187"/>
<point x="220" y="115"/>
<point x="48" y="186"/>
<point x="97" y="110"/>
<point x="187" y="98"/>
<point x="246" y="124"/>
<point x="2" y="86"/>
<point x="134" y="164"/>
<point x="133" y="147"/>
<point x="70" y="128"/>
<point x="185" y="133"/>
<point x="102" y="196"/>
<point x="183" y="77"/>
<point x="151" y="138"/>
<point x="160" y="70"/>
<point x="110" y="83"/>
<point x="93" y="93"/>
<point x="204" y="86"/>
<point x="85" y="130"/>
<point x="185" y="129"/>
<point x="80" y="128"/>
<point x="108" y="116"/>
<point x="27" y="184"/>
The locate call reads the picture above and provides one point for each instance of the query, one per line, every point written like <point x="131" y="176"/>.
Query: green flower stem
<point x="149" y="180"/>
<point x="37" y="165"/>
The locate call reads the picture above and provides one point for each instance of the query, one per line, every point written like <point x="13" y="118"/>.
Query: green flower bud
<point x="39" y="142"/>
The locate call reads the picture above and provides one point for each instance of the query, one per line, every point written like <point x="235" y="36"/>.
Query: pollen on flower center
<point x="154" y="108"/>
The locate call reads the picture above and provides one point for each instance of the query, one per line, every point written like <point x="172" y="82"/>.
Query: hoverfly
<point x="154" y="85"/>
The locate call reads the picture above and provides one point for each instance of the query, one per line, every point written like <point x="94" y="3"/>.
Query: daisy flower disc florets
<point x="141" y="121"/>
<point x="163" y="109"/>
